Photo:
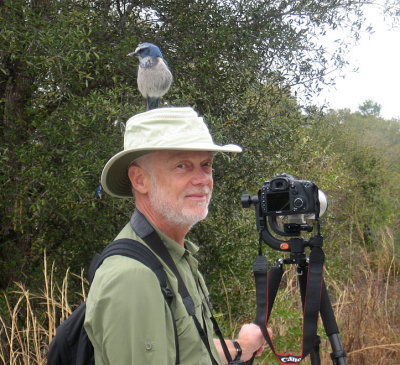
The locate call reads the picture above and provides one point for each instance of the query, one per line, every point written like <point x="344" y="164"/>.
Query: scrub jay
<point x="154" y="76"/>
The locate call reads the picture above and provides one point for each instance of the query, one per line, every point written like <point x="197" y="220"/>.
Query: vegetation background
<point x="66" y="90"/>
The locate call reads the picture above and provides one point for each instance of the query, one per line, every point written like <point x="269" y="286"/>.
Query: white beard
<point x="173" y="212"/>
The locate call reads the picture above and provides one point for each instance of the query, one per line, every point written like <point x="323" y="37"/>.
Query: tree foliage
<point x="369" y="107"/>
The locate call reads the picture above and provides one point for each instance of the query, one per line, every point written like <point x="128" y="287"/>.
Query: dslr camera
<point x="283" y="205"/>
<point x="284" y="195"/>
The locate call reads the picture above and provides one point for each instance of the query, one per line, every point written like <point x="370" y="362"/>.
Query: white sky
<point x="378" y="78"/>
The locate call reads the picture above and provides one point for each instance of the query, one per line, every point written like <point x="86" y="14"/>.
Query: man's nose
<point x="201" y="177"/>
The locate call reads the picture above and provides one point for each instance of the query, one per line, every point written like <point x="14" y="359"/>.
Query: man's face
<point x="181" y="185"/>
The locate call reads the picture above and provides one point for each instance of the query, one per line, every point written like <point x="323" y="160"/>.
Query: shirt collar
<point x="145" y="227"/>
<point x="174" y="248"/>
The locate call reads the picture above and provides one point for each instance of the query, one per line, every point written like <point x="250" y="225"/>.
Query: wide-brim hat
<point x="172" y="128"/>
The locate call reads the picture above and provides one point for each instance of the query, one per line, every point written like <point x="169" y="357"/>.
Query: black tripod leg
<point x="314" y="354"/>
<point x="328" y="318"/>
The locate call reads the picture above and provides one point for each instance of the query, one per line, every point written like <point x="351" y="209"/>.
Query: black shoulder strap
<point x="144" y="229"/>
<point x="134" y="250"/>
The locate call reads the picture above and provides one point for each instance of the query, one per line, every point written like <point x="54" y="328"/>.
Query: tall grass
<point x="27" y="330"/>
<point x="367" y="310"/>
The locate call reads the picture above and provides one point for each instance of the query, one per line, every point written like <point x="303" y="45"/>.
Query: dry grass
<point x="367" y="310"/>
<point x="31" y="322"/>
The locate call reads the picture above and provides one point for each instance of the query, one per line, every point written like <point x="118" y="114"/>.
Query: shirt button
<point x="148" y="346"/>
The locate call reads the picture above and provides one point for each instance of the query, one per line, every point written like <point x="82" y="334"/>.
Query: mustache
<point x="204" y="190"/>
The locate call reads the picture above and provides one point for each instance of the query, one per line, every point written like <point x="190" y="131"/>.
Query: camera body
<point x="284" y="195"/>
<point x="283" y="205"/>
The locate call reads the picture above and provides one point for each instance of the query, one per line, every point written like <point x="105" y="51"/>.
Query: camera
<point x="284" y="195"/>
<point x="283" y="206"/>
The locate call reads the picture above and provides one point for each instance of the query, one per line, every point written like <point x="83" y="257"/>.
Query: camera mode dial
<point x="298" y="203"/>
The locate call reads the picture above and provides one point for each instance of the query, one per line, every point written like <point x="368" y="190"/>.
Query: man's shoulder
<point x="121" y="265"/>
<point x="118" y="268"/>
<point x="120" y="285"/>
<point x="128" y="232"/>
<point x="119" y="275"/>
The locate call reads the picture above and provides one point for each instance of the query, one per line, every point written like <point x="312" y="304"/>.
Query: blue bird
<point x="154" y="77"/>
<point x="98" y="191"/>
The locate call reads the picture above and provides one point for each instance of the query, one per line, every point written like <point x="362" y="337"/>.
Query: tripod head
<point x="297" y="224"/>
<point x="296" y="200"/>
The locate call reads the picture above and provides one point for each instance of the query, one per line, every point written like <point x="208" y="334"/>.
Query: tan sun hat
<point x="172" y="128"/>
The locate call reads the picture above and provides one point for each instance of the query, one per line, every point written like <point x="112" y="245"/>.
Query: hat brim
<point x="114" y="178"/>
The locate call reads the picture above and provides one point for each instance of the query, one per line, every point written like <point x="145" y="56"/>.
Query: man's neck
<point x="172" y="230"/>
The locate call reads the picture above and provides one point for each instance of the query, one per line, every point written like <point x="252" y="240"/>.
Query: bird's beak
<point x="132" y="54"/>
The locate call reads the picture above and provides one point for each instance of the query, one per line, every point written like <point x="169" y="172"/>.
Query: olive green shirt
<point x="129" y="322"/>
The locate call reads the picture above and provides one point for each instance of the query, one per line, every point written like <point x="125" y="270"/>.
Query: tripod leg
<point x="338" y="355"/>
<point x="314" y="354"/>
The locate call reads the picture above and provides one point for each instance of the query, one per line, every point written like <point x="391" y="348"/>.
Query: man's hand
<point x="251" y="340"/>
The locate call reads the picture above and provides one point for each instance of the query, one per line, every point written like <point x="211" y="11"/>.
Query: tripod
<point x="314" y="295"/>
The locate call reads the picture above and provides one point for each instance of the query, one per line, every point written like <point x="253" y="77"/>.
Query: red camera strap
<point x="267" y="284"/>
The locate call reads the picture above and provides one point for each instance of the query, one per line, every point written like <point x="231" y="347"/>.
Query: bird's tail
<point x="152" y="103"/>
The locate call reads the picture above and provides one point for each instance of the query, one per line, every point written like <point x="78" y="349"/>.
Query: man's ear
<point x="139" y="179"/>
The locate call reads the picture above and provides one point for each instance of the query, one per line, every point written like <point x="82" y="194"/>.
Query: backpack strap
<point x="144" y="229"/>
<point x="134" y="250"/>
<point x="137" y="251"/>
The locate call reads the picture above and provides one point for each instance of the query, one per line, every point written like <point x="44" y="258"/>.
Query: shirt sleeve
<point x="127" y="319"/>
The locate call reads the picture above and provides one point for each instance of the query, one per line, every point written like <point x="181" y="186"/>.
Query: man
<point x="167" y="165"/>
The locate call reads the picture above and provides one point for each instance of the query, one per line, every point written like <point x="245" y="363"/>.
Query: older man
<point x="167" y="165"/>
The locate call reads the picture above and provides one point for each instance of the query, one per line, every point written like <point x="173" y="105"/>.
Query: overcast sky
<point x="378" y="58"/>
